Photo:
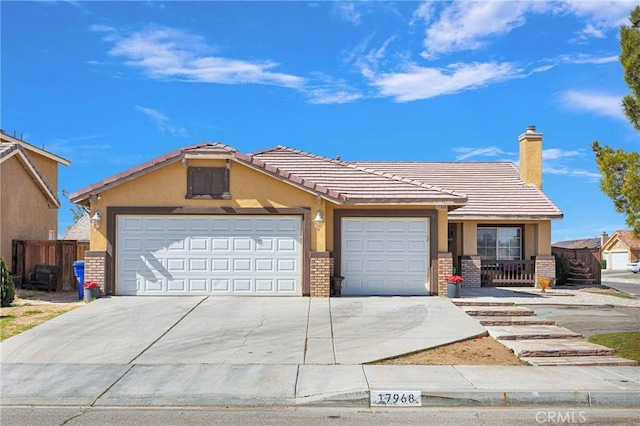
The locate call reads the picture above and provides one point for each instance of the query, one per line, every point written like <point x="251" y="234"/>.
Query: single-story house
<point x="621" y="248"/>
<point x="28" y="193"/>
<point x="207" y="219"/>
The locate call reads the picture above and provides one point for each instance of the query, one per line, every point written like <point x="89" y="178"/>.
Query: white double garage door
<point x="262" y="255"/>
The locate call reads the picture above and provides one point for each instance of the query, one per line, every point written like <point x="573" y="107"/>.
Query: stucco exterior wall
<point x="167" y="186"/>
<point x="48" y="168"/>
<point x="537" y="236"/>
<point x="23" y="207"/>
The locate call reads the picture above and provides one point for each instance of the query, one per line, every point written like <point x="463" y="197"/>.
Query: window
<point x="500" y="243"/>
<point x="208" y="182"/>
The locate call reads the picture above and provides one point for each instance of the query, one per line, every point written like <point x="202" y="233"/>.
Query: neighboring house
<point x="584" y="243"/>
<point x="621" y="249"/>
<point x="207" y="219"/>
<point x="28" y="193"/>
<point x="80" y="231"/>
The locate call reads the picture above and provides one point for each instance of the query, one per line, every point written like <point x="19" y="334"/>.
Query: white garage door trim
<point x="202" y="254"/>
<point x="385" y="256"/>
<point x="619" y="260"/>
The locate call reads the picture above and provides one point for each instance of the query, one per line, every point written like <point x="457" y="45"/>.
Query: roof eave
<point x="507" y="217"/>
<point x="46" y="191"/>
<point x="82" y="196"/>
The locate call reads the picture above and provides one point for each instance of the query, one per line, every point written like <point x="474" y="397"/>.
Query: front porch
<point x="479" y="272"/>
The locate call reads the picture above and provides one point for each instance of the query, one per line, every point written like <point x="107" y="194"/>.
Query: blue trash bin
<point x="78" y="271"/>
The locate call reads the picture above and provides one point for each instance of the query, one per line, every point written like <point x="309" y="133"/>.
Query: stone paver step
<point x="579" y="360"/>
<point x="500" y="311"/>
<point x="534" y="331"/>
<point x="555" y="348"/>
<point x="514" y="320"/>
<point x="459" y="302"/>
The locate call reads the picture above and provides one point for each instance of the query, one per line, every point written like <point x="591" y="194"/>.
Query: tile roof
<point x="340" y="182"/>
<point x="471" y="190"/>
<point x="494" y="189"/>
<point x="354" y="184"/>
<point x="12" y="139"/>
<point x="81" y="230"/>
<point x="10" y="149"/>
<point x="627" y="238"/>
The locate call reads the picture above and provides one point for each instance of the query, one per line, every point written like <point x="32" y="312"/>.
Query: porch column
<point x="471" y="271"/>
<point x="545" y="268"/>
<point x="445" y="268"/>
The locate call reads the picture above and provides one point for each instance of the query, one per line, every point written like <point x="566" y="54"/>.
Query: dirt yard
<point x="479" y="351"/>
<point x="31" y="308"/>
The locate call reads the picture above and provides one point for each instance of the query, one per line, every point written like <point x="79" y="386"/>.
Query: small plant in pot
<point x="454" y="279"/>
<point x="91" y="290"/>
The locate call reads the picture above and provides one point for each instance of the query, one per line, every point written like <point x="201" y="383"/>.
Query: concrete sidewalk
<point x="205" y="385"/>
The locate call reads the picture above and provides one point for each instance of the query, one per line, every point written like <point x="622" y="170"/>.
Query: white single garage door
<point x="619" y="259"/>
<point x="383" y="256"/>
<point x="240" y="255"/>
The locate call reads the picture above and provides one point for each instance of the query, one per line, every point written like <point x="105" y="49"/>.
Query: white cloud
<point x="489" y="151"/>
<point x="348" y="11"/>
<point x="167" y="53"/>
<point x="556" y="154"/>
<point x="598" y="103"/>
<point x="465" y="25"/>
<point x="601" y="16"/>
<point x="162" y="122"/>
<point x="423" y="83"/>
<point x="556" y="169"/>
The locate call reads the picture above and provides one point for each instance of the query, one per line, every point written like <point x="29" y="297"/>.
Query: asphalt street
<point x="52" y="416"/>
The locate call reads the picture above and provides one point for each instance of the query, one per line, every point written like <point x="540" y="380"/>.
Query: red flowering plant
<point x="91" y="284"/>
<point x="456" y="279"/>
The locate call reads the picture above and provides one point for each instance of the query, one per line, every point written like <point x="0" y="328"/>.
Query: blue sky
<point x="109" y="85"/>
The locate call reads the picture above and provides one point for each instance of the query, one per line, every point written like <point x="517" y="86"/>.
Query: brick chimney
<point x="531" y="156"/>
<point x="603" y="239"/>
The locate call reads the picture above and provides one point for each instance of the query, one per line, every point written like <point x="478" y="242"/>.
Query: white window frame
<point x="508" y="247"/>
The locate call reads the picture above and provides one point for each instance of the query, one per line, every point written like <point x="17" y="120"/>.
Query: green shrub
<point x="603" y="263"/>
<point x="7" y="287"/>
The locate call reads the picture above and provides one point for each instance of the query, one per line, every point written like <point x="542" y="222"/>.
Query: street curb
<point x="429" y="399"/>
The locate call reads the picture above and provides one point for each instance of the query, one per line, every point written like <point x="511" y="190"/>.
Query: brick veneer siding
<point x="470" y="270"/>
<point x="320" y="270"/>
<point x="545" y="268"/>
<point x="445" y="268"/>
<point x="95" y="268"/>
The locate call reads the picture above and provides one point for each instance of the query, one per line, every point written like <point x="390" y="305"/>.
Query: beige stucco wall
<point x="166" y="186"/>
<point x="537" y="236"/>
<point x="48" y="168"/>
<point x="249" y="188"/>
<point x="24" y="211"/>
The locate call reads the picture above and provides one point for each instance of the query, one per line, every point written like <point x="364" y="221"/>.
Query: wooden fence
<point x="62" y="253"/>
<point x="508" y="273"/>
<point x="589" y="257"/>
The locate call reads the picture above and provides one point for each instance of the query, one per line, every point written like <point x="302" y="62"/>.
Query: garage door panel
<point x="242" y="244"/>
<point x="242" y="285"/>
<point x="385" y="256"/>
<point x="221" y="244"/>
<point x="286" y="286"/>
<point x="191" y="254"/>
<point x="198" y="285"/>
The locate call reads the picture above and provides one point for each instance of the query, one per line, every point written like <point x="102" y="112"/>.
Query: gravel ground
<point x="555" y="296"/>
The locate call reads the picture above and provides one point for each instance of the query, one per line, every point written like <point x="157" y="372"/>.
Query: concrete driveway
<point x="241" y="330"/>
